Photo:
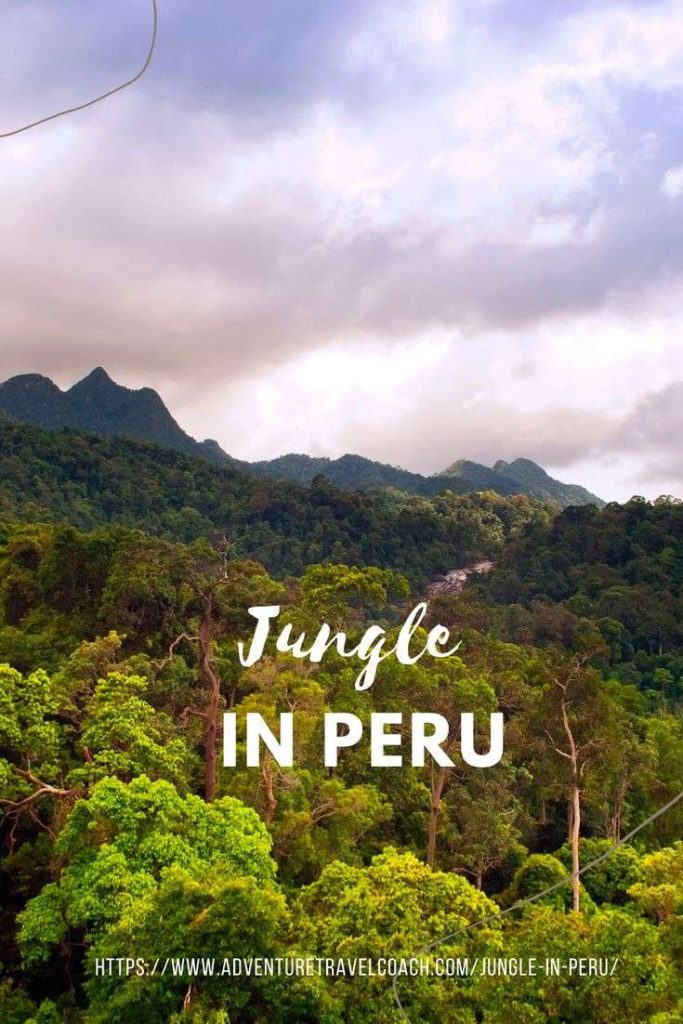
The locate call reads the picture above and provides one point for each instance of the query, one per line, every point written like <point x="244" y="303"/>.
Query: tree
<point x="394" y="907"/>
<point x="207" y="913"/>
<point x="313" y="814"/>
<point x="455" y="690"/>
<point x="538" y="872"/>
<point x="641" y="982"/>
<point x="218" y="593"/>
<point x="487" y="819"/>
<point x="660" y="892"/>
<point x="35" y="750"/>
<point x="610" y="880"/>
<point x="344" y="596"/>
<point x="124" y="736"/>
<point x="118" y="843"/>
<point x="576" y="715"/>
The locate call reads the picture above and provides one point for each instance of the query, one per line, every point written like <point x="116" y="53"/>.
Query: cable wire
<point x="105" y="95"/>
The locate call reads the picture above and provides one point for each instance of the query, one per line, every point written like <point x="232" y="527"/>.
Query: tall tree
<point x="575" y="715"/>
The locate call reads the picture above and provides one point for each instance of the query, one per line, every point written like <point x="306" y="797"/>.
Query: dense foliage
<point x="60" y="476"/>
<point x="621" y="569"/>
<point x="123" y="837"/>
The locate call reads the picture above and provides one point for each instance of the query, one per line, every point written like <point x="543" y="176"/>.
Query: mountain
<point x="64" y="477"/>
<point x="537" y="484"/>
<point x="519" y="477"/>
<point x="348" y="471"/>
<point x="523" y="477"/>
<point x="98" y="405"/>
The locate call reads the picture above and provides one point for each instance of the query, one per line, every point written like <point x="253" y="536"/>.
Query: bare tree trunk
<point x="434" y="811"/>
<point x="575" y="808"/>
<point x="267" y="776"/>
<point x="576" y="829"/>
<point x="212" y="682"/>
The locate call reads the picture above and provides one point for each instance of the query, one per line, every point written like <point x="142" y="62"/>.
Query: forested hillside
<point x="616" y="573"/>
<point x="99" y="406"/>
<point x="126" y="575"/>
<point x="50" y="476"/>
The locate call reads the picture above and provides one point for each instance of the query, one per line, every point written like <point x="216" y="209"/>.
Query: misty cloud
<point x="293" y="179"/>
<point x="654" y="429"/>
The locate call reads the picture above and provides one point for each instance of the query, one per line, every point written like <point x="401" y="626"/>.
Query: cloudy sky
<point x="420" y="230"/>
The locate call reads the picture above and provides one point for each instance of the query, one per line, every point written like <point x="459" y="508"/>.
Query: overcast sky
<point x="419" y="230"/>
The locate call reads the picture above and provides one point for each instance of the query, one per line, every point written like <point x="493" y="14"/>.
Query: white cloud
<point x="410" y="229"/>
<point x="672" y="182"/>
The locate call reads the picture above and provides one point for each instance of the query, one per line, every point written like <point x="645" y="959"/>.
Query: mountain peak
<point x="28" y="381"/>
<point x="98" y="405"/>
<point x="97" y="380"/>
<point x="523" y="476"/>
<point x="522" y="469"/>
<point x="30" y="397"/>
<point x="99" y="374"/>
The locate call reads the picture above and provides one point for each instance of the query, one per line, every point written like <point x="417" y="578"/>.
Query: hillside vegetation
<point x="127" y="572"/>
<point x="98" y="405"/>
<point x="60" y="476"/>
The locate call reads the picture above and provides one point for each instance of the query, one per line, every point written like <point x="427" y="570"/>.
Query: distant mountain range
<point x="98" y="405"/>
<point x="519" y="477"/>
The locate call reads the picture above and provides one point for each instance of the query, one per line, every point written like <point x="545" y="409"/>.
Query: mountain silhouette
<point x="98" y="405"/>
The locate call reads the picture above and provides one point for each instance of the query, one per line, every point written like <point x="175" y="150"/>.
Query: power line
<point x="105" y="95"/>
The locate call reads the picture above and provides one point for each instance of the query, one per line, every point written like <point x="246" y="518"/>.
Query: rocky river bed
<point x="454" y="581"/>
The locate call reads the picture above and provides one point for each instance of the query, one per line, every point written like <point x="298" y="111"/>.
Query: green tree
<point x="394" y="908"/>
<point x="116" y="846"/>
<point x="640" y="983"/>
<point x="124" y="736"/>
